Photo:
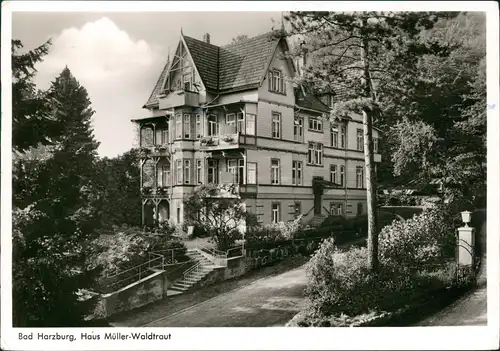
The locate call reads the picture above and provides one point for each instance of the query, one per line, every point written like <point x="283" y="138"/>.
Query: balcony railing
<point x="220" y="142"/>
<point x="179" y="98"/>
<point x="154" y="151"/>
<point x="154" y="192"/>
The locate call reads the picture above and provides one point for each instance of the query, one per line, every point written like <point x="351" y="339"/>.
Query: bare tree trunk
<point x="371" y="186"/>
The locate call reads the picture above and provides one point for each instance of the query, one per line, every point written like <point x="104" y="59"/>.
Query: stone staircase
<point x="193" y="275"/>
<point x="316" y="220"/>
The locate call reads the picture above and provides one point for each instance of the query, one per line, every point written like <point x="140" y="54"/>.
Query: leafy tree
<point x="119" y="183"/>
<point x="54" y="214"/>
<point x="239" y="38"/>
<point x="366" y="55"/>
<point x="217" y="212"/>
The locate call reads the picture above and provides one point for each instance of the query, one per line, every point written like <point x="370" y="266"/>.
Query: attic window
<point x="276" y="81"/>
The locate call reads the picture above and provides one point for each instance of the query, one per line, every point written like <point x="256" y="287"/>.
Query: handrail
<point x="191" y="270"/>
<point x="327" y="211"/>
<point x="148" y="263"/>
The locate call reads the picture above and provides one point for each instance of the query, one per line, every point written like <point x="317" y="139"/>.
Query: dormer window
<point x="315" y="125"/>
<point x="276" y="81"/>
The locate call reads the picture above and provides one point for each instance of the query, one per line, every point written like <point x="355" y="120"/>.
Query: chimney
<point x="206" y="38"/>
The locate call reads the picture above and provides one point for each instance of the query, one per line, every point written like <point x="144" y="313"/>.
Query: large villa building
<point x="231" y="115"/>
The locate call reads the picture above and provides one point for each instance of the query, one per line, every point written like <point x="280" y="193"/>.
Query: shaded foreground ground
<point x="225" y="304"/>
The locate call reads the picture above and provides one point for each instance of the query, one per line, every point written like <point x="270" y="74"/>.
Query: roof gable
<point x="205" y="57"/>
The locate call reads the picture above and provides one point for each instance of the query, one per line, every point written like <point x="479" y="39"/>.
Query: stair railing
<point x="191" y="271"/>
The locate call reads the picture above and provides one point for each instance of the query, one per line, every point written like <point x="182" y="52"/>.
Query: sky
<point x="118" y="57"/>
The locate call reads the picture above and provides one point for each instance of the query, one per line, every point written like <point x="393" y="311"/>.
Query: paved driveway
<point x="271" y="301"/>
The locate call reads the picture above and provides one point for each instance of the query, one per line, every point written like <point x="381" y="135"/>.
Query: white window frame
<point x="296" y="172"/>
<point x="187" y="126"/>
<point x="333" y="174"/>
<point x="250" y="124"/>
<point x="375" y="145"/>
<point x="276" y="81"/>
<point x="231" y="123"/>
<point x="199" y="170"/>
<point x="359" y="177"/>
<point x="276" y="125"/>
<point x="178" y="126"/>
<point x="240" y="123"/>
<point x="275" y="212"/>
<point x="187" y="171"/>
<point x="179" y="171"/>
<point x="315" y="124"/>
<point x="298" y="129"/>
<point x="199" y="126"/>
<point x="166" y="175"/>
<point x="337" y="208"/>
<point x="315" y="153"/>
<point x="212" y="125"/>
<point x="342" y="175"/>
<point x="359" y="139"/>
<point x="232" y="167"/>
<point x="251" y="168"/>
<point x="213" y="166"/>
<point x="343" y="137"/>
<point x="334" y="136"/>
<point x="275" y="171"/>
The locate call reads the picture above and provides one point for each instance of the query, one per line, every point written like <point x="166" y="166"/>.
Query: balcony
<point x="155" y="192"/>
<point x="154" y="151"/>
<point x="220" y="142"/>
<point x="178" y="98"/>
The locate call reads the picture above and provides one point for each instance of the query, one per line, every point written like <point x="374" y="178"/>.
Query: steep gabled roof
<point x="153" y="98"/>
<point x="205" y="57"/>
<point x="245" y="62"/>
<point x="230" y="67"/>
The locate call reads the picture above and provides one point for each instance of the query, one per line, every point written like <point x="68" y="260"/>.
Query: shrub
<point x="425" y="239"/>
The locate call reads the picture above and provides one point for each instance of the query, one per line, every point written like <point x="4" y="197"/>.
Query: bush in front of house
<point x="412" y="262"/>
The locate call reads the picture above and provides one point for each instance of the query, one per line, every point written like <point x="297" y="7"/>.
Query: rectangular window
<point x="334" y="137"/>
<point x="330" y="100"/>
<point x="296" y="173"/>
<point x="159" y="176"/>
<point x="333" y="173"/>
<point x="336" y="209"/>
<point x="178" y="126"/>
<point x="375" y="145"/>
<point x="275" y="213"/>
<point x="359" y="177"/>
<point x="240" y="120"/>
<point x="276" y="125"/>
<point x="231" y="123"/>
<point x="315" y="154"/>
<point x="276" y="81"/>
<point x="275" y="171"/>
<point x="359" y="208"/>
<point x="212" y="125"/>
<point x="213" y="172"/>
<point x="178" y="214"/>
<point x="187" y="171"/>
<point x="166" y="175"/>
<point x="342" y="137"/>
<point x="199" y="176"/>
<point x="232" y="168"/>
<point x="187" y="126"/>
<point x="297" y="209"/>
<point x="342" y="175"/>
<point x="241" y="171"/>
<point x="158" y="136"/>
<point x="179" y="171"/>
<point x="315" y="124"/>
<point x="359" y="140"/>
<point x="298" y="129"/>
<point x="199" y="126"/>
<point x="250" y="124"/>
<point x="164" y="135"/>
<point x="252" y="173"/>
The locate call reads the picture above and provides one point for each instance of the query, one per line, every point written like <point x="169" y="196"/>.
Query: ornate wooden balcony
<point x="154" y="151"/>
<point x="220" y="142"/>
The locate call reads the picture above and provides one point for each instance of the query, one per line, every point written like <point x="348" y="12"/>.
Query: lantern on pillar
<point x="466" y="217"/>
